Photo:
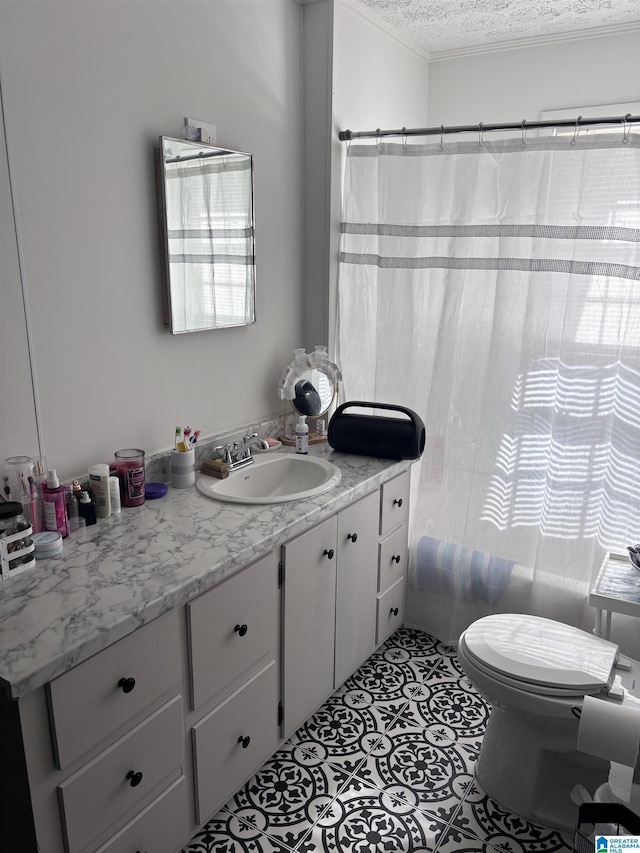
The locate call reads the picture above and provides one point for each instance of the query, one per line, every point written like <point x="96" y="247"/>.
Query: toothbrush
<point x="195" y="437"/>
<point x="181" y="444"/>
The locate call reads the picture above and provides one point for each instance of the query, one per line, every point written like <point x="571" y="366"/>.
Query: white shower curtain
<point x="494" y="287"/>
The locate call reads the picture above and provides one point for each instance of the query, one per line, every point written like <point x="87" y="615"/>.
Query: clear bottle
<point x="71" y="501"/>
<point x="302" y="435"/>
<point x="55" y="511"/>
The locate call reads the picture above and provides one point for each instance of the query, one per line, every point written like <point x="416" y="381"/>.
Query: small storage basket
<point x="14" y="557"/>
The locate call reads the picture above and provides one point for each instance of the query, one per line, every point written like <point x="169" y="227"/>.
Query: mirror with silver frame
<point x="207" y="235"/>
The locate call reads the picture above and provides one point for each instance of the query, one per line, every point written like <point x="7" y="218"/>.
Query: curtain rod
<point x="524" y="125"/>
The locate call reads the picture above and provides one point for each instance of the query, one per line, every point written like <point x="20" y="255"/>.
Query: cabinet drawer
<point x="160" y="828"/>
<point x="392" y="558"/>
<point x="390" y="610"/>
<point x="222" y="762"/>
<point x="89" y="701"/>
<point x="232" y="627"/>
<point x="106" y="789"/>
<point x="394" y="502"/>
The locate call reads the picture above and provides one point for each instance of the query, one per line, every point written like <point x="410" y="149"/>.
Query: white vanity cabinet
<point x="234" y="651"/>
<point x="104" y="748"/>
<point x="356" y="586"/>
<point x="135" y="748"/>
<point x="392" y="555"/>
<point x="343" y="595"/>
<point x="309" y="621"/>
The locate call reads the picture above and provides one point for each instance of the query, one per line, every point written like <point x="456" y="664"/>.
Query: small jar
<point x="13" y="521"/>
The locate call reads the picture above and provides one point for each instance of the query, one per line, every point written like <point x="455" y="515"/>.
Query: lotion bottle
<point x="302" y="435"/>
<point x="99" y="482"/>
<point x="114" y="494"/>
<point x="55" y="510"/>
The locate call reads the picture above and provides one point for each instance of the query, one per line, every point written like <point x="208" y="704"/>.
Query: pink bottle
<point x="55" y="511"/>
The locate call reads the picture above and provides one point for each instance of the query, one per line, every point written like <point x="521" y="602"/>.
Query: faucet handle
<point x="224" y="451"/>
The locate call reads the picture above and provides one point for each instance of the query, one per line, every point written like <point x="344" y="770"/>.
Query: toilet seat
<point x="540" y="655"/>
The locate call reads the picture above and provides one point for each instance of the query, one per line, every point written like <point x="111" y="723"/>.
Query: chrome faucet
<point x="243" y="451"/>
<point x="237" y="454"/>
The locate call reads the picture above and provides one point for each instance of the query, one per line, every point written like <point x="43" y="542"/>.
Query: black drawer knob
<point x="244" y="741"/>
<point x="393" y="611"/>
<point x="329" y="554"/>
<point x="397" y="502"/>
<point x="395" y="558"/>
<point x="134" y="778"/>
<point x="127" y="684"/>
<point x="352" y="536"/>
<point x="241" y="630"/>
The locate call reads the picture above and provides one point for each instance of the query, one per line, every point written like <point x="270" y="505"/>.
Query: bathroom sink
<point x="273" y="479"/>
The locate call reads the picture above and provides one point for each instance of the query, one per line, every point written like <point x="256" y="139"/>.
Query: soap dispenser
<point x="302" y="435"/>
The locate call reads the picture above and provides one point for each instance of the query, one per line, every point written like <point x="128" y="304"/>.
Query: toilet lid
<point x="541" y="651"/>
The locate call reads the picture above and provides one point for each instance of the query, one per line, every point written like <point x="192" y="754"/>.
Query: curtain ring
<point x="480" y="135"/>
<point x="626" y="128"/>
<point x="378" y="132"/>
<point x="524" y="133"/>
<point x="441" y="137"/>
<point x="577" y="130"/>
<point x="404" y="138"/>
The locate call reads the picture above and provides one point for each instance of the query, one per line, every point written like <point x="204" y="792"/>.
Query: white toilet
<point x="535" y="673"/>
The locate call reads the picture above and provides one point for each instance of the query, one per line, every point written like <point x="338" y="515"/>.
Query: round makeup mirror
<point x="310" y="384"/>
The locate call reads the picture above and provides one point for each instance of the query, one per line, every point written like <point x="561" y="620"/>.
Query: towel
<point x="445" y="567"/>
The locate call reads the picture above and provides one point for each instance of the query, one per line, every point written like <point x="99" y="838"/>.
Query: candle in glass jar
<point x="130" y="471"/>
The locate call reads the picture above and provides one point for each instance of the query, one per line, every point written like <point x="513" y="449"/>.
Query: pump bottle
<point x="302" y="435"/>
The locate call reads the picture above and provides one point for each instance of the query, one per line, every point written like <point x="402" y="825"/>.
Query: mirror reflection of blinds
<point x="210" y="240"/>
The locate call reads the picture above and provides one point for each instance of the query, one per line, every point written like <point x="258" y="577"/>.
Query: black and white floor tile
<point x="385" y="766"/>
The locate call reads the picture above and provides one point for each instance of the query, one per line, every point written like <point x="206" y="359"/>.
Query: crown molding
<point x="536" y="41"/>
<point x="477" y="50"/>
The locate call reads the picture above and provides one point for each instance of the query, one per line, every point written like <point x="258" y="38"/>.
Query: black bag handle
<point x="413" y="417"/>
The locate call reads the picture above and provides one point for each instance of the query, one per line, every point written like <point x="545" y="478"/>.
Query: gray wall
<point x="509" y="85"/>
<point x="88" y="88"/>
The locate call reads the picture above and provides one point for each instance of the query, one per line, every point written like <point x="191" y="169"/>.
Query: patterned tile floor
<point x="385" y="766"/>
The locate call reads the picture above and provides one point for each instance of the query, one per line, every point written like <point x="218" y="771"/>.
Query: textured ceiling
<point x="440" y="25"/>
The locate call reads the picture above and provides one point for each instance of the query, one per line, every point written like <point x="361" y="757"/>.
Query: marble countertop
<point x="126" y="570"/>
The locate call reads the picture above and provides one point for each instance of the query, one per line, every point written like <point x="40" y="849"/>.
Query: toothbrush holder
<point x="183" y="468"/>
